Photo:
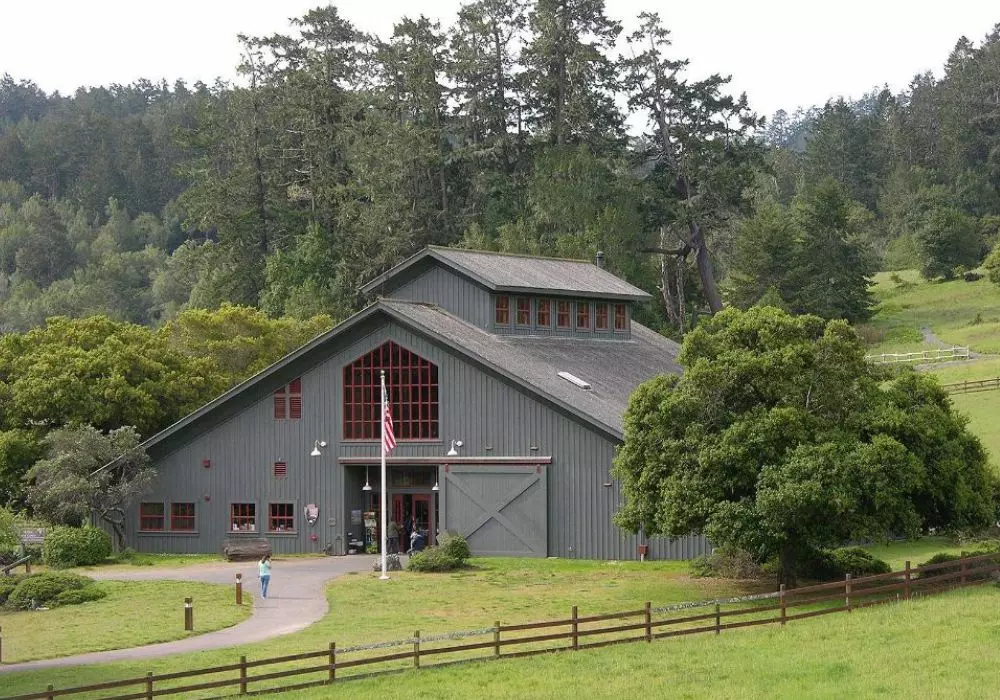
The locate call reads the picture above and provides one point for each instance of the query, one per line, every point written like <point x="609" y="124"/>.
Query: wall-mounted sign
<point x="355" y="517"/>
<point x="312" y="513"/>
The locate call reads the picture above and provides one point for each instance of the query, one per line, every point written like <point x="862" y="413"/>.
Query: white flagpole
<point x="385" y="485"/>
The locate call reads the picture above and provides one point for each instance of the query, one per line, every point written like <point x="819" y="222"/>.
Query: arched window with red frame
<point x="411" y="383"/>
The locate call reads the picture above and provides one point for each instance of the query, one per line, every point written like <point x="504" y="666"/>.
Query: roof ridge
<point x="512" y="255"/>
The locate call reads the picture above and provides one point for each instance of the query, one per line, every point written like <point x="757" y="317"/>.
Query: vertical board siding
<point x="490" y="416"/>
<point x="455" y="294"/>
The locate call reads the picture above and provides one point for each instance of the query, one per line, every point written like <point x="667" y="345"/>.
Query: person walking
<point x="264" y="572"/>
<point x="392" y="536"/>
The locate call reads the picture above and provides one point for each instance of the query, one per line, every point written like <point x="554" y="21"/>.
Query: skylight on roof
<point x="573" y="379"/>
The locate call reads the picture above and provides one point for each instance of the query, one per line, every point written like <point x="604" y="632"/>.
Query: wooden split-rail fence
<point x="920" y="356"/>
<point x="333" y="665"/>
<point x="973" y="386"/>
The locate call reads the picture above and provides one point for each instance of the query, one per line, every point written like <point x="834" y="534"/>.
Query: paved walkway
<point x="297" y="599"/>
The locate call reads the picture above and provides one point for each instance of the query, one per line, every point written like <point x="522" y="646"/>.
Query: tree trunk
<point x="705" y="272"/>
<point x="787" y="560"/>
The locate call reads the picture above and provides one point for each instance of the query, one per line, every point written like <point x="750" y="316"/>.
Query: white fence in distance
<point x="934" y="355"/>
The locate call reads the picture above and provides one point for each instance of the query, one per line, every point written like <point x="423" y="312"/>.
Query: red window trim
<point x="242" y="514"/>
<point x="188" y="521"/>
<point x="563" y="314"/>
<point x="543" y="313"/>
<point x="274" y="518"/>
<point x="412" y="385"/>
<point x="621" y="317"/>
<point x="583" y="315"/>
<point x="144" y="516"/>
<point x="501" y="310"/>
<point x="526" y="310"/>
<point x="601" y="316"/>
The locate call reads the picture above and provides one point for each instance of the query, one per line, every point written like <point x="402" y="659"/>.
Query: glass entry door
<point x="413" y="511"/>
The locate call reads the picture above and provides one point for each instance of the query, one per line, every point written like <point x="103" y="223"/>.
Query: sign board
<point x="355" y="517"/>
<point x="32" y="535"/>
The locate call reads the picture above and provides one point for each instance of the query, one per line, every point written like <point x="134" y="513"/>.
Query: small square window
<point x="182" y="516"/>
<point x="523" y="311"/>
<point x="501" y="315"/>
<point x="543" y="315"/>
<point x="562" y="314"/>
<point x="583" y="315"/>
<point x="620" y="322"/>
<point x="243" y="517"/>
<point x="601" y="317"/>
<point x="151" y="516"/>
<point x="281" y="517"/>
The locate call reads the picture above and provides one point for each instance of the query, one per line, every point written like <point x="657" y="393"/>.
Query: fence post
<point x="649" y="622"/>
<point x="906" y="580"/>
<point x="149" y="685"/>
<point x="847" y="591"/>
<point x="1" y="644"/>
<point x="718" y="619"/>
<point x="239" y="589"/>
<point x="243" y="675"/>
<point x="416" y="649"/>
<point x="496" y="639"/>
<point x="964" y="568"/>
<point x="49" y="690"/>
<point x="333" y="661"/>
<point x="188" y="615"/>
<point x="781" y="597"/>
<point x="576" y="630"/>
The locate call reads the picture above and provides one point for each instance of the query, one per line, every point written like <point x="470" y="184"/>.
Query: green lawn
<point x="134" y="613"/>
<point x="365" y="609"/>
<point x="940" y="647"/>
<point x="959" y="312"/>
<point x="895" y="554"/>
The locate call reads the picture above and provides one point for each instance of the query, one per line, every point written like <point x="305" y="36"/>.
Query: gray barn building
<point x="508" y="378"/>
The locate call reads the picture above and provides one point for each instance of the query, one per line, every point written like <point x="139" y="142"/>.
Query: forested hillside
<point x="336" y="154"/>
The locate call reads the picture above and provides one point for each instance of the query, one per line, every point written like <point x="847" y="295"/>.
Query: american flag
<point x="388" y="438"/>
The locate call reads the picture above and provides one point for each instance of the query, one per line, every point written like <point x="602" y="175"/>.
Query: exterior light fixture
<point x="453" y="452"/>
<point x="316" y="448"/>
<point x="367" y="486"/>
<point x="435" y="487"/>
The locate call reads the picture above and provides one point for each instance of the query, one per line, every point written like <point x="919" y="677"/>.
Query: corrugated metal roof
<point x="520" y="273"/>
<point x="613" y="368"/>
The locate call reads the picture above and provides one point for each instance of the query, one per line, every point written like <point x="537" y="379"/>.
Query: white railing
<point x="934" y="355"/>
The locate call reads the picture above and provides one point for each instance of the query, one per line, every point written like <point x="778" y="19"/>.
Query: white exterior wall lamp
<point x="317" y="446"/>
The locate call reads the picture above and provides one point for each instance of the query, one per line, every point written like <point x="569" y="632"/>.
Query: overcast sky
<point x="783" y="53"/>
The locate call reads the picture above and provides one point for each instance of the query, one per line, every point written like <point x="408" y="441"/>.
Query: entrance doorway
<point x="414" y="512"/>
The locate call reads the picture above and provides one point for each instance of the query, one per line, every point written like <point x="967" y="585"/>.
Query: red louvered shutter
<point x="280" y="469"/>
<point x="295" y="399"/>
<point x="279" y="404"/>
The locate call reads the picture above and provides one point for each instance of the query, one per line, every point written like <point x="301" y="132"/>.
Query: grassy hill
<point x="956" y="313"/>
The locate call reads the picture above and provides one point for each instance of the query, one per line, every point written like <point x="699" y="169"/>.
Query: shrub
<point x="857" y="562"/>
<point x="44" y="588"/>
<point x="75" y="546"/>
<point x="432" y="559"/>
<point x="943" y="557"/>
<point x="80" y="595"/>
<point x="7" y="586"/>
<point x="456" y="547"/>
<point x="726" y="562"/>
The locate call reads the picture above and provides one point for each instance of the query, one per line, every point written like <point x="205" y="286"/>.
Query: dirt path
<point x="297" y="598"/>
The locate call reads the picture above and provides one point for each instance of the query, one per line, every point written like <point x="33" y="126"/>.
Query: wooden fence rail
<point x="969" y="387"/>
<point x="572" y="633"/>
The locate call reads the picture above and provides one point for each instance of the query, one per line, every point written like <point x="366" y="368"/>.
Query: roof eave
<point x="576" y="293"/>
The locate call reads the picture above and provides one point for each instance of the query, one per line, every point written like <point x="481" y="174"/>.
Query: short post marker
<point x="188" y="615"/>
<point x="239" y="588"/>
